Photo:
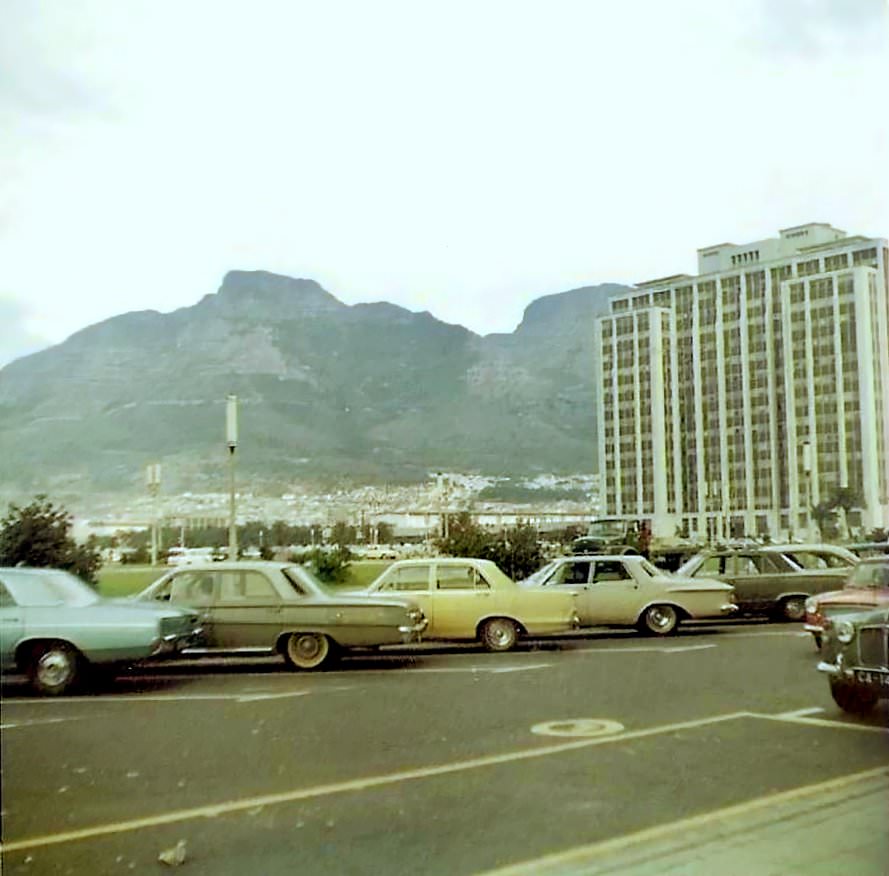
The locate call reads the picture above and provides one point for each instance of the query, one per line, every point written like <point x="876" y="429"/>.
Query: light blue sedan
<point x="55" y="628"/>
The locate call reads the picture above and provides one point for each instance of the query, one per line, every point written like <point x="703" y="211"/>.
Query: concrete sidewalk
<point x="832" y="828"/>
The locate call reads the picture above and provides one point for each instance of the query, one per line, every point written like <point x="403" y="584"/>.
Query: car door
<point x="461" y="597"/>
<point x="611" y="596"/>
<point x="193" y="588"/>
<point x="246" y="612"/>
<point x="12" y="627"/>
<point x="414" y="581"/>
<point x="574" y="576"/>
<point x="756" y="580"/>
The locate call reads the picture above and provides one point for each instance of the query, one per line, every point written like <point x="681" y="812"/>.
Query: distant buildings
<point x="733" y="401"/>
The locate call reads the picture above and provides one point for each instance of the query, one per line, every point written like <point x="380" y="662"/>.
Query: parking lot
<point x="433" y="759"/>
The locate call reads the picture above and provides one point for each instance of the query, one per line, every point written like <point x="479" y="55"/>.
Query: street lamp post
<point x="231" y="439"/>
<point x="153" y="483"/>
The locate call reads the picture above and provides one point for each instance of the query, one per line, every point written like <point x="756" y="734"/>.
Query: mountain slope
<point x="365" y="392"/>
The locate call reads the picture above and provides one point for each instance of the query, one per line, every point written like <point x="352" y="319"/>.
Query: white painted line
<point x="801" y="713"/>
<point x="16" y="724"/>
<point x="158" y="698"/>
<point x="823" y="722"/>
<point x="231" y="806"/>
<point x="588" y="854"/>
<point x="642" y="649"/>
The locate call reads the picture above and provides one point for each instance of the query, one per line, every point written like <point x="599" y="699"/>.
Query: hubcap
<point x="53" y="668"/>
<point x="308" y="647"/>
<point x="660" y="618"/>
<point x="501" y="635"/>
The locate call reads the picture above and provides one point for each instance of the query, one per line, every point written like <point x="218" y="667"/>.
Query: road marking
<point x="642" y="649"/>
<point x="159" y="698"/>
<point x="586" y="727"/>
<point x="801" y="713"/>
<point x="14" y="725"/>
<point x="232" y="806"/>
<point x="822" y="722"/>
<point x="587" y="854"/>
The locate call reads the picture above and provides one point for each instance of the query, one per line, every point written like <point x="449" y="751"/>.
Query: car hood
<point x="856" y="596"/>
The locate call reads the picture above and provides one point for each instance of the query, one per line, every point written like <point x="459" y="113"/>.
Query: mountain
<point x="326" y="390"/>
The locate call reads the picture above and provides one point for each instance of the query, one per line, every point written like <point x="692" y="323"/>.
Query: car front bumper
<point x="728" y="608"/>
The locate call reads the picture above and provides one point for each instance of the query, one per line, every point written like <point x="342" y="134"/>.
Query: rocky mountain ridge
<point x="361" y="392"/>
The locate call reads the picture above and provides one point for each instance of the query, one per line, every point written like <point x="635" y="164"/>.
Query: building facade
<point x="734" y="401"/>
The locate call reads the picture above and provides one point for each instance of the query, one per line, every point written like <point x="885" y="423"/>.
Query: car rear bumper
<point x="176" y="642"/>
<point x="728" y="608"/>
<point x="412" y="633"/>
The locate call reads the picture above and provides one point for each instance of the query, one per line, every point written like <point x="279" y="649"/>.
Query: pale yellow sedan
<point x="469" y="599"/>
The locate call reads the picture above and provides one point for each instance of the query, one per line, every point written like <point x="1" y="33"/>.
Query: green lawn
<point x="115" y="580"/>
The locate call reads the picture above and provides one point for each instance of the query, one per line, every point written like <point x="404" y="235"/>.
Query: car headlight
<point x="845" y="632"/>
<point x="811" y="605"/>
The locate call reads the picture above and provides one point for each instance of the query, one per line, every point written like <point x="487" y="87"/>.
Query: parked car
<point x="57" y="629"/>
<point x="766" y="582"/>
<point x="855" y="658"/>
<point x="466" y="598"/>
<point x="281" y="608"/>
<point x="626" y="590"/>
<point x="866" y="587"/>
<point x="816" y="556"/>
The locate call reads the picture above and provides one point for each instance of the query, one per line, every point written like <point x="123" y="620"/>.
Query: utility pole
<point x="153" y="483"/>
<point x="231" y="439"/>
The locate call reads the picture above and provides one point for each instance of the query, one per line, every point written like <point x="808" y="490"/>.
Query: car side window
<point x="459" y="578"/>
<point x="610" y="570"/>
<point x="576" y="573"/>
<point x="408" y="578"/>
<point x="192" y="588"/>
<point x="809" y="561"/>
<point x="241" y="585"/>
<point x="741" y="564"/>
<point x="711" y="566"/>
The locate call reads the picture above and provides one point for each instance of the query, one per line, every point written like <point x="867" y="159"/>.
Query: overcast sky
<point x="457" y="157"/>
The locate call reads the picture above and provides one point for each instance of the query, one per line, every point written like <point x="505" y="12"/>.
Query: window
<point x="242" y="586"/>
<point x="192" y="588"/>
<point x="408" y="578"/>
<point x="573" y="573"/>
<point x="459" y="578"/>
<point x="610" y="570"/>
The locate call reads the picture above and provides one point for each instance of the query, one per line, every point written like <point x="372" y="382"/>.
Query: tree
<point x="516" y="550"/>
<point x="40" y="535"/>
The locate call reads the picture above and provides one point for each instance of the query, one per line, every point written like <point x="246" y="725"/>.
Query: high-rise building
<point x="735" y="401"/>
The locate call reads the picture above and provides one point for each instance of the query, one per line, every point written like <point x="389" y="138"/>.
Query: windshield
<point x="869" y="575"/>
<point x="607" y="529"/>
<point x="49" y="587"/>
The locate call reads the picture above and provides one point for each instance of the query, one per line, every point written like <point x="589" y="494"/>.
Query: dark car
<point x="855" y="657"/>
<point x="766" y="582"/>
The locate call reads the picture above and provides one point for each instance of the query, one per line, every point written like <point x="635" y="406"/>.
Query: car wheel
<point x="793" y="608"/>
<point x="853" y="699"/>
<point x="659" y="620"/>
<point x="499" y="634"/>
<point x="307" y="650"/>
<point x="55" y="668"/>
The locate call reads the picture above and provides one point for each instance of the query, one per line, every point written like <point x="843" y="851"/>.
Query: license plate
<point x="880" y="679"/>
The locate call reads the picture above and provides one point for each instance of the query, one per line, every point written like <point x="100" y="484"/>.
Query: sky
<point x="458" y="157"/>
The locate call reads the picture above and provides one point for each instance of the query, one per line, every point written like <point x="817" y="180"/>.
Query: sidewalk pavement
<point x="833" y="828"/>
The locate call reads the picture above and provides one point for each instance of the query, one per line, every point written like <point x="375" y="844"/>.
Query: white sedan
<point x="626" y="590"/>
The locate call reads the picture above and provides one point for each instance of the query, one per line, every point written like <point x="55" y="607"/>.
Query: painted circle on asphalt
<point x="578" y="727"/>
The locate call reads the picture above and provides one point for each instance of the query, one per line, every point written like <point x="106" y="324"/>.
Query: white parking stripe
<point x="16" y="724"/>
<point x="650" y="649"/>
<point x="800" y="713"/>
<point x="823" y="722"/>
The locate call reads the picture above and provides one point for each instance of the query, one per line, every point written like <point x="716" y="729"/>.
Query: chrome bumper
<point x="412" y="633"/>
<point x="728" y="608"/>
<point x="813" y="628"/>
<point x="830" y="668"/>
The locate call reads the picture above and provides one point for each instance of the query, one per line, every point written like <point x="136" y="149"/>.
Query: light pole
<point x="153" y="483"/>
<point x="231" y="439"/>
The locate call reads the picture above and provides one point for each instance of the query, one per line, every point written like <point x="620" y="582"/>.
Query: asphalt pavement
<point x="717" y="750"/>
